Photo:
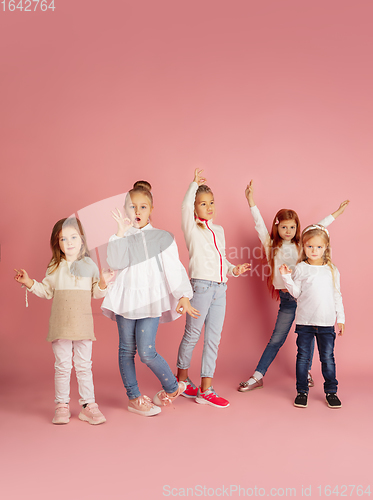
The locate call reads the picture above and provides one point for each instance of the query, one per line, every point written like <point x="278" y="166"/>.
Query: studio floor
<point x="260" y="446"/>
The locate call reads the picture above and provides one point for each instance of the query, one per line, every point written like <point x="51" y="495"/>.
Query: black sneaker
<point x="333" y="400"/>
<point x="301" y="400"/>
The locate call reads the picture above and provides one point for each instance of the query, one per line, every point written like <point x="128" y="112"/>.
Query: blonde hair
<point x="203" y="188"/>
<point x="143" y="187"/>
<point x="318" y="230"/>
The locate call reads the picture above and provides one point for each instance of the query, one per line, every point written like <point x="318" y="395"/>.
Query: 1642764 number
<point x="344" y="490"/>
<point x="28" y="5"/>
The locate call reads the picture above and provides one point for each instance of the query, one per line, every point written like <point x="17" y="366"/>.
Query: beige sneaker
<point x="164" y="399"/>
<point x="143" y="406"/>
<point x="92" y="414"/>
<point x="61" y="414"/>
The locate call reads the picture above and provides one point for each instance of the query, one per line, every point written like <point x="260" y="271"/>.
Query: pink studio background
<point x="97" y="95"/>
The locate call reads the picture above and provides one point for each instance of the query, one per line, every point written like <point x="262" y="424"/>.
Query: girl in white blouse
<point x="316" y="286"/>
<point x="72" y="278"/>
<point x="151" y="287"/>
<point x="281" y="246"/>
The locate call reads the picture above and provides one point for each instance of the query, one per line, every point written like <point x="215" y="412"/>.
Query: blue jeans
<point x="140" y="334"/>
<point x="209" y="299"/>
<point x="325" y="337"/>
<point x="285" y="318"/>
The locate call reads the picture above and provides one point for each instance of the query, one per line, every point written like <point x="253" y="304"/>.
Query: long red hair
<point x="276" y="243"/>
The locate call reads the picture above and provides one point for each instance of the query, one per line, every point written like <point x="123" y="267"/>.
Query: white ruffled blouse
<point x="150" y="280"/>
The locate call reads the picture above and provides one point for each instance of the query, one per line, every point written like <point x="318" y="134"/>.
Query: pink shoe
<point x="191" y="390"/>
<point x="209" y="397"/>
<point x="164" y="399"/>
<point x="92" y="414"/>
<point x="245" y="386"/>
<point x="61" y="414"/>
<point x="143" y="406"/>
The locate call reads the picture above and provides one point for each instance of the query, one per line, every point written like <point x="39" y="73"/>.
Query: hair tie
<point x="277" y="221"/>
<point x="316" y="226"/>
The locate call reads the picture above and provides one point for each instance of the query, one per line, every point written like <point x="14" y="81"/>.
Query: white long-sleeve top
<point x="150" y="280"/>
<point x="206" y="245"/>
<point x="287" y="253"/>
<point x="71" y="286"/>
<point x="319" y="299"/>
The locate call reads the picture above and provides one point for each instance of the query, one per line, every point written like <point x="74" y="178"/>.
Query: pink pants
<point x="65" y="352"/>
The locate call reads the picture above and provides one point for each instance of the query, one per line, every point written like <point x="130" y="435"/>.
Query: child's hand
<point x="241" y="268"/>
<point x="341" y="328"/>
<point x="198" y="177"/>
<point x="341" y="208"/>
<point x="23" y="277"/>
<point x="106" y="275"/>
<point x="249" y="193"/>
<point x="123" y="223"/>
<point x="284" y="269"/>
<point x="184" y="306"/>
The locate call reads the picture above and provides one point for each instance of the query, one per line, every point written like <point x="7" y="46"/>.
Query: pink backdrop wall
<point x="97" y="95"/>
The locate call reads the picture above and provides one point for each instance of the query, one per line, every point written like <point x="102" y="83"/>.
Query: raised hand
<point x="284" y="269"/>
<point x="249" y="193"/>
<point x="341" y="208"/>
<point x="184" y="306"/>
<point x="198" y="177"/>
<point x="124" y="223"/>
<point x="23" y="278"/>
<point x="241" y="268"/>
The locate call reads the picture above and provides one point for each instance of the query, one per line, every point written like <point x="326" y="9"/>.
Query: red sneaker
<point x="209" y="397"/>
<point x="191" y="390"/>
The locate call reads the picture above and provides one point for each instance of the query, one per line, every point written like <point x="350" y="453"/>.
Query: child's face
<point x="70" y="243"/>
<point x="138" y="209"/>
<point x="287" y="229"/>
<point x="204" y="206"/>
<point x="314" y="249"/>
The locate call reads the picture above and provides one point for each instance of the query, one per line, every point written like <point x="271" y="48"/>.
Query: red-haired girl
<point x="72" y="278"/>
<point x="282" y="246"/>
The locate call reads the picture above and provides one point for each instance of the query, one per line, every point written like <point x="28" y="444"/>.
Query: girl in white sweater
<point x="72" y="278"/>
<point x="316" y="286"/>
<point x="208" y="269"/>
